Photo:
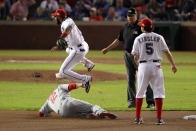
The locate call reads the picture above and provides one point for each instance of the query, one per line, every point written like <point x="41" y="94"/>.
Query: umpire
<point x="127" y="36"/>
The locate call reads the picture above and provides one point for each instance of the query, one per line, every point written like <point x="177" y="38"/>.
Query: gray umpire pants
<point x="131" y="79"/>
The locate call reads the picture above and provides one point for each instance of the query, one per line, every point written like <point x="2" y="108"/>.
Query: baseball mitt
<point x="61" y="43"/>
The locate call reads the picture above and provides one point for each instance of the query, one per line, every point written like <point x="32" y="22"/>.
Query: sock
<point x="139" y="102"/>
<point x="71" y="86"/>
<point x="159" y="105"/>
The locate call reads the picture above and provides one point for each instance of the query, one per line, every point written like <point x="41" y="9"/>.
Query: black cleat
<point x="160" y="122"/>
<point x="150" y="106"/>
<point x="90" y="68"/>
<point x="131" y="105"/>
<point x="87" y="85"/>
<point x="138" y="121"/>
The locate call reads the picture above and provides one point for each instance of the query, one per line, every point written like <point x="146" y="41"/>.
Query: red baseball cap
<point x="59" y="12"/>
<point x="146" y="22"/>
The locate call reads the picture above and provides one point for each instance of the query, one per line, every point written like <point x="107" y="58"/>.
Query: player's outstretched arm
<point x="114" y="44"/>
<point x="170" y="58"/>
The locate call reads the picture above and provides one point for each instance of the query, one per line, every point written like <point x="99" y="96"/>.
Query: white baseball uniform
<point x="77" y="49"/>
<point x="63" y="104"/>
<point x="149" y="48"/>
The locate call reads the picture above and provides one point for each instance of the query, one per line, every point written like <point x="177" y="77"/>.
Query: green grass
<point x="116" y="68"/>
<point x="47" y="53"/>
<point x="24" y="96"/>
<point x="111" y="95"/>
<point x="180" y="57"/>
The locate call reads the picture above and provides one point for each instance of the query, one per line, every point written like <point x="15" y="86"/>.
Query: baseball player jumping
<point x="147" y="51"/>
<point x="72" y="39"/>
<point x="64" y="105"/>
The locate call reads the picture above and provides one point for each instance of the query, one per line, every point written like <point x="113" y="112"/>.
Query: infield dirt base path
<point x="29" y="121"/>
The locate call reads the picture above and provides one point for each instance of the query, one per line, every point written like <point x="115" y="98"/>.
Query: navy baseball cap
<point x="131" y="12"/>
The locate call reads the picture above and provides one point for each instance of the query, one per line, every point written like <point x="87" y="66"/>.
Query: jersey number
<point x="149" y="49"/>
<point x="53" y="97"/>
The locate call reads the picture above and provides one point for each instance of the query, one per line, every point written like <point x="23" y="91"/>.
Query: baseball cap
<point x="131" y="12"/>
<point x="59" y="12"/>
<point x="146" y="22"/>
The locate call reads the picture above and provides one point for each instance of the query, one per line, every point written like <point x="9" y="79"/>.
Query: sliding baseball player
<point x="64" y="105"/>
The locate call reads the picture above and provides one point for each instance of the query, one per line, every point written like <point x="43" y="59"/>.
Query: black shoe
<point x="160" y="122"/>
<point x="90" y="68"/>
<point x="138" y="121"/>
<point x="87" y="85"/>
<point x="150" y="106"/>
<point x="131" y="105"/>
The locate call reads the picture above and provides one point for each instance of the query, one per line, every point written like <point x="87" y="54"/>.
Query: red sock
<point x="139" y="102"/>
<point x="159" y="106"/>
<point x="71" y="86"/>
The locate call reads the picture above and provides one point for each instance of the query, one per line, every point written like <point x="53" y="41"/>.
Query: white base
<point x="191" y="117"/>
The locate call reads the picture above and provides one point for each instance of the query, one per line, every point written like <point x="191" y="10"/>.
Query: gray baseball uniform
<point x="63" y="104"/>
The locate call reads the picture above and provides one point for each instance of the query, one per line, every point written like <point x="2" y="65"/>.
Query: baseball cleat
<point x="138" y="121"/>
<point x="59" y="76"/>
<point x="92" y="116"/>
<point x="160" y="122"/>
<point x="107" y="114"/>
<point x="150" y="106"/>
<point x="91" y="67"/>
<point x="131" y="106"/>
<point x="87" y="84"/>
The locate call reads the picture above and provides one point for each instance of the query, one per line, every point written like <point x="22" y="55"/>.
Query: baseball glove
<point x="61" y="43"/>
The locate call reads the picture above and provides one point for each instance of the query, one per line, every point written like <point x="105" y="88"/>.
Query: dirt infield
<point x="49" y="76"/>
<point x="29" y="121"/>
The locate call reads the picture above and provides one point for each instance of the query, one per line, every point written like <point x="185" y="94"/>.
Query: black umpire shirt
<point x="128" y="34"/>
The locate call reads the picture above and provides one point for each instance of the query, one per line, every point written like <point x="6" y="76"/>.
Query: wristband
<point x="64" y="34"/>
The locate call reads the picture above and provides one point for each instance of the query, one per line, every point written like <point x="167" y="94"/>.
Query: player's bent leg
<point x="97" y="109"/>
<point x="101" y="113"/>
<point x="87" y="63"/>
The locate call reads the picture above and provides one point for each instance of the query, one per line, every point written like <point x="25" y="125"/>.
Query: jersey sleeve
<point x="46" y="108"/>
<point x="120" y="36"/>
<point x="164" y="46"/>
<point x="66" y="24"/>
<point x="135" y="50"/>
<point x="64" y="87"/>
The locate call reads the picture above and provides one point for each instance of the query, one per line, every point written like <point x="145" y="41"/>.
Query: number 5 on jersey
<point x="149" y="49"/>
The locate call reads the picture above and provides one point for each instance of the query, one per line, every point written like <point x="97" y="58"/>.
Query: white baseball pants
<point x="150" y="72"/>
<point x="74" y="57"/>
